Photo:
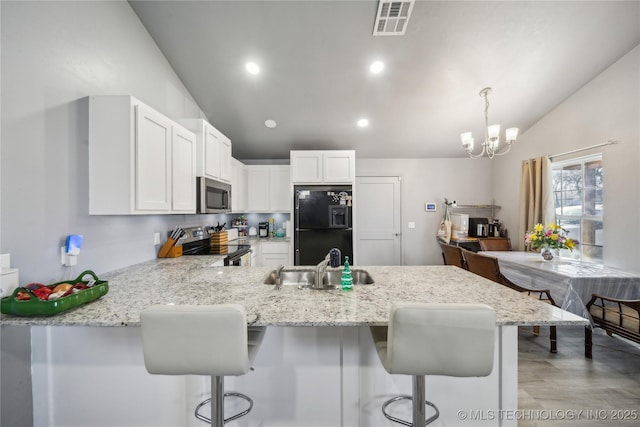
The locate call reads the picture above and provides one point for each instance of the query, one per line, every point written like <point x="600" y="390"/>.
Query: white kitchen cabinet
<point x="323" y="166"/>
<point x="140" y="162"/>
<point x="280" y="198"/>
<point x="183" y="171"/>
<point x="269" y="188"/>
<point x="239" y="188"/>
<point x="273" y="254"/>
<point x="213" y="150"/>
<point x="258" y="188"/>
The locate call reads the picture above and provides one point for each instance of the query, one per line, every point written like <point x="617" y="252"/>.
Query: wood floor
<point x="554" y="388"/>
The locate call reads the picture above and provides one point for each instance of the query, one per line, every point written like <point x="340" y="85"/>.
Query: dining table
<point x="571" y="282"/>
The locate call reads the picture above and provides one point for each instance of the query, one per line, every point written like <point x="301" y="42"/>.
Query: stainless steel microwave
<point x="213" y="196"/>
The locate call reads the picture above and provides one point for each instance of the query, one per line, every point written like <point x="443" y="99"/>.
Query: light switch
<point x="411" y="224"/>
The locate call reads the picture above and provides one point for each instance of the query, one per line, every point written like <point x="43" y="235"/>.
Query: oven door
<point x="212" y="196"/>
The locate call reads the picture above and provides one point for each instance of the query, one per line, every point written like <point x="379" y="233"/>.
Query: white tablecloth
<point x="571" y="282"/>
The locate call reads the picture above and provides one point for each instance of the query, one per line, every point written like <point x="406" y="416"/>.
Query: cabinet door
<point x="258" y="189"/>
<point x="306" y="166"/>
<point x="339" y="166"/>
<point x="280" y="198"/>
<point x="274" y="260"/>
<point x="183" y="171"/>
<point x="153" y="160"/>
<point x="238" y="186"/>
<point x="225" y="159"/>
<point x="212" y="143"/>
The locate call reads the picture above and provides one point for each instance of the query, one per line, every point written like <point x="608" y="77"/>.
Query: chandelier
<point x="490" y="146"/>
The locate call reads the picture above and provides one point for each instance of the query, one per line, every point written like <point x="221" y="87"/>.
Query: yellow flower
<point x="538" y="228"/>
<point x="554" y="237"/>
<point x="569" y="243"/>
<point x="553" y="226"/>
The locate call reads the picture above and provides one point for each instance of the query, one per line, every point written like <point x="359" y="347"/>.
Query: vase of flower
<point x="548" y="239"/>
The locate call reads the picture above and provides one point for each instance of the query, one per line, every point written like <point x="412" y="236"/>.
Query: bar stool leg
<point x="419" y="413"/>
<point x="217" y="401"/>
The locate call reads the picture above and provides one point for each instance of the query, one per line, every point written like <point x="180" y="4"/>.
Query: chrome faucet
<point x="279" y="278"/>
<point x="321" y="270"/>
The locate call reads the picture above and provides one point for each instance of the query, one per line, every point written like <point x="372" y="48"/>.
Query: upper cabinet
<point x="269" y="188"/>
<point x="213" y="155"/>
<point x="238" y="186"/>
<point x="140" y="162"/>
<point x="323" y="166"/>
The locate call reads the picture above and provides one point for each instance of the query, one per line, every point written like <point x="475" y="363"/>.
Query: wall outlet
<point x="411" y="224"/>
<point x="156" y="238"/>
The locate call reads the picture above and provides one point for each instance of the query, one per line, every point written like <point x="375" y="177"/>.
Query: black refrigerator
<point x="322" y="221"/>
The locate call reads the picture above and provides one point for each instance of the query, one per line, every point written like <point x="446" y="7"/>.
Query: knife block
<point x="221" y="238"/>
<point x="170" y="250"/>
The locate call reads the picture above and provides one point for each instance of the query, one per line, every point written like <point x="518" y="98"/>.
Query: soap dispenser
<point x="346" y="281"/>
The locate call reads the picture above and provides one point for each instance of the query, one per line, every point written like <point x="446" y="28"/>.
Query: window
<point x="577" y="190"/>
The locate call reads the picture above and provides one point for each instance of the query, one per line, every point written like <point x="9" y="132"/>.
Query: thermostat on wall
<point x="430" y="207"/>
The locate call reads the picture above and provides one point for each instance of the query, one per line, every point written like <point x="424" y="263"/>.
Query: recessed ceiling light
<point x="363" y="123"/>
<point x="270" y="123"/>
<point x="252" y="68"/>
<point x="376" y="67"/>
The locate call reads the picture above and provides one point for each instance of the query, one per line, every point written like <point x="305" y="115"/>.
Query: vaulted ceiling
<point x="315" y="83"/>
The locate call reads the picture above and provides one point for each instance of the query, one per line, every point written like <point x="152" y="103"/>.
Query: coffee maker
<point x="263" y="229"/>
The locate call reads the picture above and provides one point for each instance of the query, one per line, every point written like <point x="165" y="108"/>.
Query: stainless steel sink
<point x="291" y="277"/>
<point x="304" y="278"/>
<point x="359" y="276"/>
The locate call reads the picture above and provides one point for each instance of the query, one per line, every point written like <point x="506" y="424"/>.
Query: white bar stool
<point x="434" y="339"/>
<point x="201" y="340"/>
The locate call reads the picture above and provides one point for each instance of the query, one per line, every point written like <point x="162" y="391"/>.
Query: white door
<point x="378" y="220"/>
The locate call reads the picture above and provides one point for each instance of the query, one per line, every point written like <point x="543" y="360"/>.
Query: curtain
<point x="536" y="194"/>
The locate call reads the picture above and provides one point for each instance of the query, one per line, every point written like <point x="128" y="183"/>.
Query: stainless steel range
<point x="197" y="241"/>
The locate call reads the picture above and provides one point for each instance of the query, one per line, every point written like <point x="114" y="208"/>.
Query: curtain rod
<point x="602" y="144"/>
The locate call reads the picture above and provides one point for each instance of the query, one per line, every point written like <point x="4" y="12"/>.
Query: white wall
<point x="608" y="107"/>
<point x="430" y="180"/>
<point x="53" y="55"/>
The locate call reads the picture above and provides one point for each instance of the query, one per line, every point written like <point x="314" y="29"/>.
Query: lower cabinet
<point x="273" y="254"/>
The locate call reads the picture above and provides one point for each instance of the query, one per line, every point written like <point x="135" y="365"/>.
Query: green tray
<point x="37" y="307"/>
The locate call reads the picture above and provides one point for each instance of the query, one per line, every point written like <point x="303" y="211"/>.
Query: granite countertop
<point x="193" y="280"/>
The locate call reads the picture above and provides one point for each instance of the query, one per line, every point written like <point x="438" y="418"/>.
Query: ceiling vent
<point x="392" y="17"/>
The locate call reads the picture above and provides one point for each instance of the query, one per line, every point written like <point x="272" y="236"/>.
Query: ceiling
<point x="315" y="82"/>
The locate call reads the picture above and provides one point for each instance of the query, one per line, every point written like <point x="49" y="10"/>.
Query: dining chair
<point x="452" y="255"/>
<point x="488" y="267"/>
<point x="494" y="244"/>
<point x="615" y="316"/>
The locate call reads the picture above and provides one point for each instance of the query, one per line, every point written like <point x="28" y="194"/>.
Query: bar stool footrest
<point x="231" y="418"/>
<point x="403" y="422"/>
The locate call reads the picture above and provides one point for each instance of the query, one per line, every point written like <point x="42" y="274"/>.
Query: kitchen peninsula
<point x="316" y="367"/>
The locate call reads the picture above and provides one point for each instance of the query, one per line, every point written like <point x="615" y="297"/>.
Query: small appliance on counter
<point x="478" y="227"/>
<point x="263" y="229"/>
<point x="459" y="226"/>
